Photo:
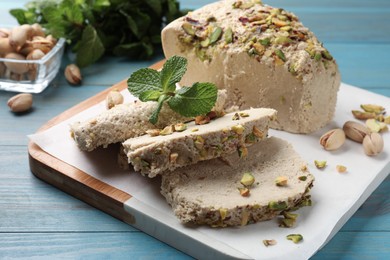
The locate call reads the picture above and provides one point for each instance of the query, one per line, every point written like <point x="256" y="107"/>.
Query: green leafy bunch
<point x="160" y="86"/>
<point x="130" y="28"/>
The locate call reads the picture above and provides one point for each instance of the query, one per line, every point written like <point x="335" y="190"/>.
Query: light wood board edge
<point x="74" y="181"/>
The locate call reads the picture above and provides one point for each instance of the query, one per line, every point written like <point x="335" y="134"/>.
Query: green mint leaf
<point x="144" y="80"/>
<point x="194" y="101"/>
<point x="172" y="72"/>
<point x="154" y="117"/>
<point x="20" y="15"/>
<point x="150" y="95"/>
<point x="90" y="48"/>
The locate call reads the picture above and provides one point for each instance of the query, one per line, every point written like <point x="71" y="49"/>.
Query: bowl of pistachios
<point x="29" y="58"/>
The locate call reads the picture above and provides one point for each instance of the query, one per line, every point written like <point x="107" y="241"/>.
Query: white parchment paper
<point x="335" y="196"/>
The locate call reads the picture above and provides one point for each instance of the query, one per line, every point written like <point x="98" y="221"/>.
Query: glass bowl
<point x="41" y="72"/>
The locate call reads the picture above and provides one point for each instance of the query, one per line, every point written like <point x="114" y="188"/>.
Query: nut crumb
<point x="341" y="168"/>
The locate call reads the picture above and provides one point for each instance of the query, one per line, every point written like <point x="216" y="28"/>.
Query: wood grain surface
<point x="39" y="221"/>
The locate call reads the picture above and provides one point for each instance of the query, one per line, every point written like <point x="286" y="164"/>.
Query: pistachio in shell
<point x="333" y="139"/>
<point x="355" y="131"/>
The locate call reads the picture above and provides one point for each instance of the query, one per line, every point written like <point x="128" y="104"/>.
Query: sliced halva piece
<point x="152" y="155"/>
<point x="263" y="56"/>
<point x="207" y="193"/>
<point x="126" y="121"/>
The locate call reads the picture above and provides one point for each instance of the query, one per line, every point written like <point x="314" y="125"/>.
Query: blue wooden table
<point x="39" y="221"/>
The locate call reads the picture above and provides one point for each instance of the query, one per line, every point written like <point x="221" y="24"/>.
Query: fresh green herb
<point x="151" y="85"/>
<point x="96" y="27"/>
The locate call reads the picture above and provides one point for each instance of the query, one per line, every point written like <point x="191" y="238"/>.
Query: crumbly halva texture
<point x="125" y="121"/>
<point x="263" y="56"/>
<point x="207" y="193"/>
<point x="234" y="132"/>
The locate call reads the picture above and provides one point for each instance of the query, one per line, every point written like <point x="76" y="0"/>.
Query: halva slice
<point x="210" y="192"/>
<point x="263" y="56"/>
<point x="191" y="143"/>
<point x="126" y="121"/>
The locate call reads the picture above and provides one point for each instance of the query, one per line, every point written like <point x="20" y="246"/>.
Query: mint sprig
<point x="151" y="85"/>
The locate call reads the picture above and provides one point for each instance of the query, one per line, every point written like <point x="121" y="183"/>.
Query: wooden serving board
<point x="151" y="214"/>
<point x="74" y="181"/>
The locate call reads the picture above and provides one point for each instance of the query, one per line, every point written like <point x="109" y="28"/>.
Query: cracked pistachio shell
<point x="73" y="74"/>
<point x="18" y="68"/>
<point x="20" y="102"/>
<point x="5" y="47"/>
<point x="333" y="139"/>
<point x="355" y="131"/>
<point x="373" y="144"/>
<point x="19" y="35"/>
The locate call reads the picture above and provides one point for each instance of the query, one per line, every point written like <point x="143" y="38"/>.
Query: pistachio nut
<point x="333" y="139"/>
<point x="34" y="55"/>
<point x="5" y="47"/>
<point x="180" y="127"/>
<point x="113" y="98"/>
<point x="355" y="131"/>
<point x="223" y="213"/>
<point x="277" y="205"/>
<point x="363" y="115"/>
<point x="19" y="35"/>
<point x="167" y="130"/>
<point x="153" y="132"/>
<point x="245" y="192"/>
<point x="4" y="33"/>
<point x="238" y="129"/>
<point x="373" y="125"/>
<point x="269" y="242"/>
<point x="296" y="238"/>
<point x="320" y="164"/>
<point x="373" y="144"/>
<point x="376" y="126"/>
<point x="20" y="102"/>
<point x="341" y="168"/>
<point x="37" y="30"/>
<point x="18" y="68"/>
<point x="73" y="74"/>
<point x="247" y="179"/>
<point x="372" y="108"/>
<point x="281" y="181"/>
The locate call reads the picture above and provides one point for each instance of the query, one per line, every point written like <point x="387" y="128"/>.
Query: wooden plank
<point x="91" y="245"/>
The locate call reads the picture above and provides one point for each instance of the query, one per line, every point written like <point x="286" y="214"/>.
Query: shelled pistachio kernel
<point x="281" y="181"/>
<point x="167" y="130"/>
<point x="269" y="242"/>
<point x="287" y="222"/>
<point x="235" y="117"/>
<point x="173" y="157"/>
<point x="302" y="178"/>
<point x="244" y="191"/>
<point x="238" y="129"/>
<point x="180" y="127"/>
<point x="373" y="125"/>
<point x="242" y="151"/>
<point x="247" y="179"/>
<point x="372" y="108"/>
<point x="320" y="164"/>
<point x="363" y="115"/>
<point x="257" y="132"/>
<point x="341" y="168"/>
<point x="277" y="205"/>
<point x="296" y="238"/>
<point x="223" y="213"/>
